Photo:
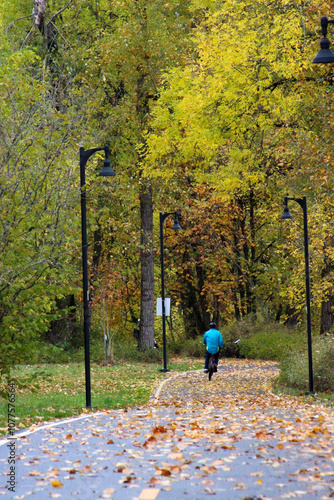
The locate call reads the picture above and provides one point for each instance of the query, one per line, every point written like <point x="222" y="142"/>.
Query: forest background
<point x="211" y="108"/>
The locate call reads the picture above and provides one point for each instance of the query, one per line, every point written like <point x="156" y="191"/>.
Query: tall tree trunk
<point x="252" y="265"/>
<point x="327" y="305"/>
<point x="146" y="333"/>
<point x="327" y="314"/>
<point x="194" y="305"/>
<point x="216" y="311"/>
<point x="65" y="328"/>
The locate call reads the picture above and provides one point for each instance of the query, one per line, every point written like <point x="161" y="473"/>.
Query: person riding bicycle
<point x="214" y="341"/>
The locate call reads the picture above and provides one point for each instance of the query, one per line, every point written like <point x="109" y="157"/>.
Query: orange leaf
<point x="56" y="484"/>
<point x="159" y="429"/>
<point x="87" y="468"/>
<point x="166" y="472"/>
<point x="34" y="473"/>
<point x="209" y="469"/>
<point x="151" y="441"/>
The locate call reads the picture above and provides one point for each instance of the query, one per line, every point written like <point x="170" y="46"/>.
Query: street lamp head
<point x="325" y="54"/>
<point x="286" y="213"/>
<point x="176" y="226"/>
<point x="107" y="170"/>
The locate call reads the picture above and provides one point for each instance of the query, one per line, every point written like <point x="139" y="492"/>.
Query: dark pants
<point x="208" y="356"/>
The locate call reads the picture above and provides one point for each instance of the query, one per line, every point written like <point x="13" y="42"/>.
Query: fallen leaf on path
<point x="210" y="491"/>
<point x="87" y="468"/>
<point x="149" y="494"/>
<point x="34" y="473"/>
<point x="56" y="484"/>
<point x="108" y="492"/>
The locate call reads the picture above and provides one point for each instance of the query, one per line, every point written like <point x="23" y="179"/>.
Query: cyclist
<point x="214" y="341"/>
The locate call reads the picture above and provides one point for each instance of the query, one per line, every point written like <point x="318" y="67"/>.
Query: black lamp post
<point x="287" y="215"/>
<point x="106" y="171"/>
<point x="175" y="226"/>
<point x="325" y="55"/>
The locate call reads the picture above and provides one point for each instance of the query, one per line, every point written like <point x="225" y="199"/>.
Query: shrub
<point x="37" y="352"/>
<point x="260" y="340"/>
<point x="249" y="338"/>
<point x="193" y="348"/>
<point x="126" y="349"/>
<point x="295" y="368"/>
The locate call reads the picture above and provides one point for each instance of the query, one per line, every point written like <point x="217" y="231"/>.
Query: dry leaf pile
<point x="231" y="438"/>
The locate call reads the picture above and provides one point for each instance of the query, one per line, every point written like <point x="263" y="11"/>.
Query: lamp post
<point x="324" y="56"/>
<point x="175" y="226"/>
<point x="106" y="171"/>
<point x="286" y="215"/>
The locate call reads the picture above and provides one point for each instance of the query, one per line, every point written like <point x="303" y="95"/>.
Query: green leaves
<point x="36" y="202"/>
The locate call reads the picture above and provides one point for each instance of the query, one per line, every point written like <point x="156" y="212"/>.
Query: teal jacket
<point x="213" y="340"/>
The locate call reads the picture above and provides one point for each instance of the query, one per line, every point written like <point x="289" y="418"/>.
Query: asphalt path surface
<point x="230" y="438"/>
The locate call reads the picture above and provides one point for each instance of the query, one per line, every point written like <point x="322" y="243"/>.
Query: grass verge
<point x="47" y="392"/>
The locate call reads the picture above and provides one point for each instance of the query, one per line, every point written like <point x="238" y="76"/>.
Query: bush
<point x="36" y="352"/>
<point x="295" y="368"/>
<point x="249" y="338"/>
<point x="193" y="348"/>
<point x="126" y="349"/>
<point x="260" y="340"/>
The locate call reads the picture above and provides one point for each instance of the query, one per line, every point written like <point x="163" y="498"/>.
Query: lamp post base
<point x="164" y="370"/>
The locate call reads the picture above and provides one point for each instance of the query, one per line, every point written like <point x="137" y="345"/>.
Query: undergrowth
<point x="295" y="369"/>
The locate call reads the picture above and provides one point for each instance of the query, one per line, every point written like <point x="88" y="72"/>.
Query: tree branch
<point x="59" y="12"/>
<point x="15" y="20"/>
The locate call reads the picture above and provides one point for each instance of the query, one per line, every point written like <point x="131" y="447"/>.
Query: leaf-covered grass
<point x="49" y="391"/>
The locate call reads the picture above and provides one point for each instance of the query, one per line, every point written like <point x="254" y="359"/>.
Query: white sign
<point x="159" y="307"/>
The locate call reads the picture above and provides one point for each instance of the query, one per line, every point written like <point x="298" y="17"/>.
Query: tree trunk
<point x="194" y="305"/>
<point x="327" y="316"/>
<point x="146" y="333"/>
<point x="216" y="311"/>
<point x="38" y="11"/>
<point x="65" y="328"/>
<point x="327" y="305"/>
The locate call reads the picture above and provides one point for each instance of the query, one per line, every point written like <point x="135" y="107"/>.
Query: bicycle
<point x="211" y="366"/>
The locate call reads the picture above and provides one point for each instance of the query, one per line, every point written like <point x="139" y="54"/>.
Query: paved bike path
<point x="231" y="438"/>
